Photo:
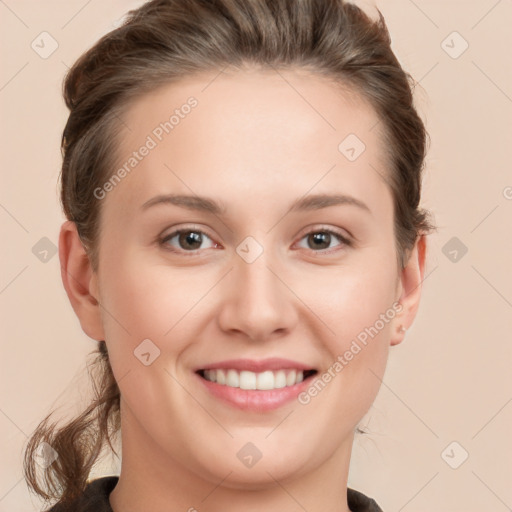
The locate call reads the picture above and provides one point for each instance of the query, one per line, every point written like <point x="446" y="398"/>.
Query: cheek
<point x="352" y="299"/>
<point x="358" y="305"/>
<point x="148" y="314"/>
<point x="144" y="300"/>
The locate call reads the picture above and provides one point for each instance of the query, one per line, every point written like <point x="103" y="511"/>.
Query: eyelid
<point x="187" y="227"/>
<point x="319" y="228"/>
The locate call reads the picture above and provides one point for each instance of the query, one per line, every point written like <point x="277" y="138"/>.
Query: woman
<point x="241" y="180"/>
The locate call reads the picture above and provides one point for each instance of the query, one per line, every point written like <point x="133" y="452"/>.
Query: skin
<point x="255" y="144"/>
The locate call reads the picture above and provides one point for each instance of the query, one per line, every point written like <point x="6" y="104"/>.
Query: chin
<point x="255" y="479"/>
<point x="235" y="474"/>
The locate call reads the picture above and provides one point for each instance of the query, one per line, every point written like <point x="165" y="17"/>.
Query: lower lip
<point x="254" y="399"/>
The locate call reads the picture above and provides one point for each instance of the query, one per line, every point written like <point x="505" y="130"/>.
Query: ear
<point x="410" y="283"/>
<point x="80" y="281"/>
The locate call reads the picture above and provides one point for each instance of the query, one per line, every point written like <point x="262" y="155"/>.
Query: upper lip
<point x="257" y="366"/>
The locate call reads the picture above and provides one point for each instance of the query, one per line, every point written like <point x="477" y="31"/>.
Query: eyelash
<point x="163" y="241"/>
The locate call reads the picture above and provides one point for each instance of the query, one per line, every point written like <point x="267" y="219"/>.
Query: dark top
<point x="95" y="499"/>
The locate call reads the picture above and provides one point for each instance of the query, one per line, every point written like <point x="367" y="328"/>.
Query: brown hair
<point x="163" y="41"/>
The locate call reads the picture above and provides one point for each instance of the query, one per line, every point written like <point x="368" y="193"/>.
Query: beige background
<point x="450" y="380"/>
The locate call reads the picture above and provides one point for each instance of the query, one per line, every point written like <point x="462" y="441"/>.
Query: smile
<point x="263" y="381"/>
<point x="258" y="386"/>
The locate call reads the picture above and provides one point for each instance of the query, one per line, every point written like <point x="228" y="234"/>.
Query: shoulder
<point x="94" y="498"/>
<point x="358" y="502"/>
<point x="96" y="494"/>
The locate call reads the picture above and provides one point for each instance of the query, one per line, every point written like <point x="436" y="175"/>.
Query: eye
<point x="188" y="240"/>
<point x="321" y="239"/>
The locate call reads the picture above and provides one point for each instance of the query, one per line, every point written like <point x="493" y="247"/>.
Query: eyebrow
<point x="206" y="204"/>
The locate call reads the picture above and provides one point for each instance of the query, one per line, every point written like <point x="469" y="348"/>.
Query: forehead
<point x="263" y="134"/>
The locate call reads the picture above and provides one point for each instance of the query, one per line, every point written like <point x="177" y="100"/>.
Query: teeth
<point x="291" y="378"/>
<point x="265" y="380"/>
<point x="279" y="379"/>
<point x="221" y="376"/>
<point x="249" y="380"/>
<point x="232" y="378"/>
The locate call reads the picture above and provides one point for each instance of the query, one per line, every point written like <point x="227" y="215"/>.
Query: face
<point x="265" y="283"/>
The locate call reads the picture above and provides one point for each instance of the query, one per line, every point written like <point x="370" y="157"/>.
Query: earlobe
<point x="80" y="281"/>
<point x="411" y="282"/>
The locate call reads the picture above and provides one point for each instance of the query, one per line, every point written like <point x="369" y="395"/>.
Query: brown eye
<point x="321" y="240"/>
<point x="187" y="240"/>
<point x="190" y="240"/>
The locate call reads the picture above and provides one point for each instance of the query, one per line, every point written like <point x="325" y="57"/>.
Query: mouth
<point x="262" y="381"/>
<point x="258" y="386"/>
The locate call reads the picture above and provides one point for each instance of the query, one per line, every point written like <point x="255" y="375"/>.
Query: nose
<point x="257" y="303"/>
